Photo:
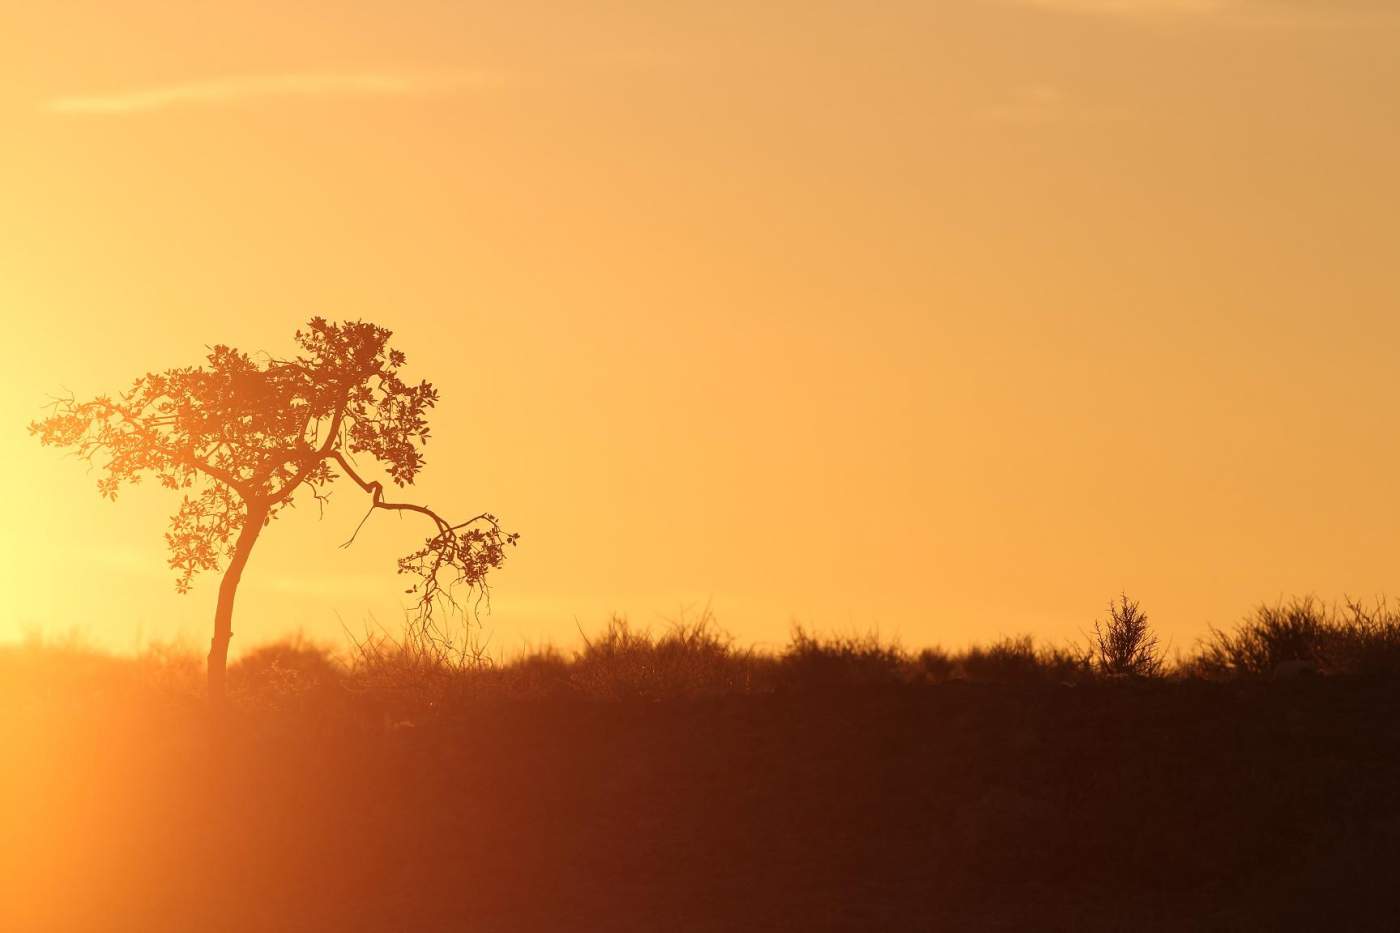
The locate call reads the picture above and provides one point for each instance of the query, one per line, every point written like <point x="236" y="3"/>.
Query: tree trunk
<point x="223" y="612"/>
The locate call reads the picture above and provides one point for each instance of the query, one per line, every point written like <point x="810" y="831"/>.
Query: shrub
<point x="812" y="661"/>
<point x="1123" y="644"/>
<point x="426" y="667"/>
<point x="1365" y="640"/>
<point x="172" y="671"/>
<point x="276" y="673"/>
<point x="539" y="674"/>
<point x="1295" y="631"/>
<point x="1016" y="659"/>
<point x="934" y="665"/>
<point x="1065" y="665"/>
<point x="691" y="658"/>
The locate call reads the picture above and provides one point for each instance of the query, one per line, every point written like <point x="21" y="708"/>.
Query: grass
<point x="419" y="672"/>
<point x="697" y="658"/>
<point x="674" y="777"/>
<point x="419" y="669"/>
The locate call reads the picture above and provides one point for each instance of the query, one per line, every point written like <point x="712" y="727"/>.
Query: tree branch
<point x="377" y="501"/>
<point x="310" y="458"/>
<point x="467" y="553"/>
<point x="223" y="476"/>
<point x="187" y="456"/>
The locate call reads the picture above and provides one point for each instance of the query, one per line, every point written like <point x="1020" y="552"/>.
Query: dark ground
<point x="1113" y="806"/>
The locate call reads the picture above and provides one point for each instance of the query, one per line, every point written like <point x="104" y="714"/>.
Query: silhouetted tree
<point x="245" y="435"/>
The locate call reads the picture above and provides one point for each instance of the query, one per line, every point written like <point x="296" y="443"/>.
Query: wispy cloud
<point x="243" y="88"/>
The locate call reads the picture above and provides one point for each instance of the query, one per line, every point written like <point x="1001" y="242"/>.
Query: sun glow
<point x="848" y="329"/>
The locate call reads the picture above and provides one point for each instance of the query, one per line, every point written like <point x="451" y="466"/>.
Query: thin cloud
<point x="244" y="88"/>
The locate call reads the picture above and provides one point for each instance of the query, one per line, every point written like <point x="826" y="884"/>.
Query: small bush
<point x="1016" y="659"/>
<point x="1365" y="640"/>
<point x="1010" y="659"/>
<point x="812" y="661"/>
<point x="692" y="658"/>
<point x="285" y="671"/>
<point x="542" y="673"/>
<point x="1065" y="665"/>
<point x="934" y="665"/>
<point x="1297" y="631"/>
<point x="1123" y="644"/>
<point x="172" y="671"/>
<point x="425" y="668"/>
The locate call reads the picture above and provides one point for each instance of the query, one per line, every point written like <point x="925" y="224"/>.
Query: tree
<point x="242" y="436"/>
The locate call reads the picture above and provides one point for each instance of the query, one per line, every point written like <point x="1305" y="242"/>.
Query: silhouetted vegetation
<point x="675" y="777"/>
<point x="695" y="657"/>
<point x="1305" y="636"/>
<point x="812" y="661"/>
<point x="1124" y="645"/>
<point x="244" y="436"/>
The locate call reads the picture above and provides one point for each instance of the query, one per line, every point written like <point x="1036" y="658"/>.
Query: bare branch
<point x="463" y="552"/>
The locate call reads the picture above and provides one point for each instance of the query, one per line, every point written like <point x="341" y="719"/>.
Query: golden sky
<point x="952" y="318"/>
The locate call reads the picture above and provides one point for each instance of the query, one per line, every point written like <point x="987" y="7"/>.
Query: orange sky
<point x="951" y="318"/>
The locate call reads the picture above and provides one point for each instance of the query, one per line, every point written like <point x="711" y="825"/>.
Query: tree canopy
<point x="243" y="435"/>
